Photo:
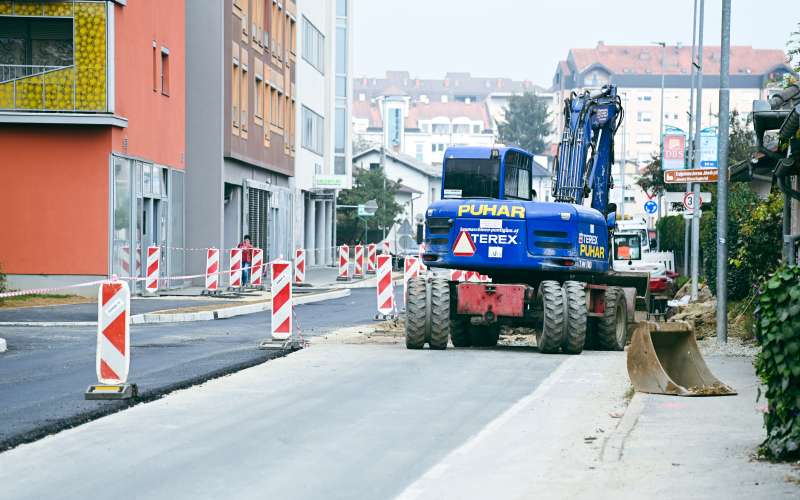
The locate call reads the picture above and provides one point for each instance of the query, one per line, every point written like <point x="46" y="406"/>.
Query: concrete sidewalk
<point x="571" y="439"/>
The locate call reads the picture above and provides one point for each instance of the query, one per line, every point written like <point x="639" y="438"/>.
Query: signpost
<point x="674" y="152"/>
<point x="708" y="147"/>
<point x="691" y="175"/>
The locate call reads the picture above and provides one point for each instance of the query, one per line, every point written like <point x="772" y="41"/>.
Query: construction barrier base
<point x="105" y="391"/>
<point x="301" y="285"/>
<point x="281" y="345"/>
<point x="385" y="317"/>
<point x="339" y="278"/>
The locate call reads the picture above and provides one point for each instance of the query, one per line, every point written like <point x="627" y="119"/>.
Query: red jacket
<point x="247" y="253"/>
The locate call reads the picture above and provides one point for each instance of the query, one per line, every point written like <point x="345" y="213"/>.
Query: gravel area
<point x="735" y="347"/>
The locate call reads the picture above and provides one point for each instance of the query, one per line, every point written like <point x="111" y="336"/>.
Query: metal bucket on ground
<point x="663" y="358"/>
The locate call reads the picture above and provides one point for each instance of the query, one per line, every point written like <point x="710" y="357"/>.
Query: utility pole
<point x="697" y="116"/>
<point x="722" y="182"/>
<point x="690" y="163"/>
<point x="661" y="136"/>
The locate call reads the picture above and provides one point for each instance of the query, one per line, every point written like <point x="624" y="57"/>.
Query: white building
<point x="421" y="184"/>
<point x="324" y="144"/>
<point x="636" y="70"/>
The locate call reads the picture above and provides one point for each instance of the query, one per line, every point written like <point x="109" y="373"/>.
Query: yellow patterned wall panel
<point x="6" y="96"/>
<point x="58" y="90"/>
<point x="60" y="9"/>
<point x="29" y="93"/>
<point x="5" y="7"/>
<point x="90" y="56"/>
<point x="28" y="8"/>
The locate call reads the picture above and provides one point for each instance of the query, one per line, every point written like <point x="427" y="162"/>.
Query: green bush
<point x="671" y="229"/>
<point x="778" y="362"/>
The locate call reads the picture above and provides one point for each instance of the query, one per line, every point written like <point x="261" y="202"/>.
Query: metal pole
<point x="697" y="115"/>
<point x="722" y="183"/>
<point x="661" y="137"/>
<point x="690" y="163"/>
<point x="383" y="168"/>
<point x="624" y="157"/>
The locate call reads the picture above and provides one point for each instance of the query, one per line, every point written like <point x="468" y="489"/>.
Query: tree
<point x="527" y="122"/>
<point x="367" y="185"/>
<point x="793" y="49"/>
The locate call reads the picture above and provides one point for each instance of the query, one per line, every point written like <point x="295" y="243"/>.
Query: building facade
<point x="323" y="142"/>
<point x="240" y="115"/>
<point x="637" y="70"/>
<point x="92" y="138"/>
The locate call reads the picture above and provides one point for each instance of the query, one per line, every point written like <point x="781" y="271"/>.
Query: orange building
<point x="92" y="137"/>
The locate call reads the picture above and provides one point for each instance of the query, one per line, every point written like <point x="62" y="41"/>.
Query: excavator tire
<point x="576" y="315"/>
<point x="459" y="331"/>
<point x="416" y="312"/>
<point x="549" y="307"/>
<point x="439" y="317"/>
<point x="611" y="330"/>
<point x="485" y="335"/>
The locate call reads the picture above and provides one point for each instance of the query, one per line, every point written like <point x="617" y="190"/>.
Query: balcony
<point x="54" y="62"/>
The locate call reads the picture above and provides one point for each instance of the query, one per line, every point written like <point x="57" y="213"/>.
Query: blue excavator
<point x="549" y="262"/>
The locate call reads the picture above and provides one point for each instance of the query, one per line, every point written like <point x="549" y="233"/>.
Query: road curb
<point x="229" y="312"/>
<point x="614" y="446"/>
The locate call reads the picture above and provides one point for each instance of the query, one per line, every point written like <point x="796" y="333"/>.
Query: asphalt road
<point x="332" y="421"/>
<point x="88" y="312"/>
<point x="46" y="370"/>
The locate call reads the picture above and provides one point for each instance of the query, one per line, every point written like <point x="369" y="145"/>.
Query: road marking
<point x="417" y="488"/>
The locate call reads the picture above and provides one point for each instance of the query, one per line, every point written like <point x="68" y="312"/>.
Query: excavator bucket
<point x="663" y="358"/>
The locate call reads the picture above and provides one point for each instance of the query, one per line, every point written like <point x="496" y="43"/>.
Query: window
<point x="235" y="87"/>
<point x="433" y="148"/>
<point x="245" y="104"/>
<point x="517" y="179"/>
<point x="471" y="178"/>
<point x="268" y="91"/>
<point x="292" y="36"/>
<point x="341" y="132"/>
<point x="313" y="131"/>
<point x="627" y="247"/>
<point x="279" y="113"/>
<point x="424" y="128"/>
<point x="420" y="151"/>
<point x="155" y="67"/>
<point x="165" y="71"/>
<point x="273" y="117"/>
<point x="244" y="4"/>
<point x="313" y="46"/>
<point x="341" y="8"/>
<point x="644" y="116"/>
<point x="441" y="128"/>
<point x="258" y="112"/>
<point x="258" y="21"/>
<point x="441" y="147"/>
<point x="341" y="61"/>
<point x="476" y="129"/>
<point x="461" y="129"/>
<point x="374" y="166"/>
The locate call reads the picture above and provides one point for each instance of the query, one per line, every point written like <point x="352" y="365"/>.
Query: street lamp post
<point x="663" y="46"/>
<point x="697" y="116"/>
<point x="722" y="183"/>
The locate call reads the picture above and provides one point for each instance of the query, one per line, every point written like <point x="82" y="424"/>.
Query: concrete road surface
<point x="46" y="369"/>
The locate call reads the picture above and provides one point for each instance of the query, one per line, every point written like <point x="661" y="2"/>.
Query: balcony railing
<point x="52" y="89"/>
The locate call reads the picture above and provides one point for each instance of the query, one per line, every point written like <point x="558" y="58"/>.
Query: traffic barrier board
<point x="257" y="267"/>
<point x="281" y="324"/>
<point x="212" y="269"/>
<point x="153" y="263"/>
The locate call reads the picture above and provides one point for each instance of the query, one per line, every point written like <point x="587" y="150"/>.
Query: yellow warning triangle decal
<point x="464" y="247"/>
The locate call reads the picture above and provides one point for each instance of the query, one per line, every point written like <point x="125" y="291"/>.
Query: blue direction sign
<point x="651" y="207"/>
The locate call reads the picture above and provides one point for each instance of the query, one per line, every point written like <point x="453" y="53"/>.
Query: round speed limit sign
<point x="689" y="201"/>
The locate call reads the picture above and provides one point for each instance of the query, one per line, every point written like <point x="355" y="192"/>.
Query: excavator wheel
<point x="610" y="332"/>
<point x="549" y="306"/>
<point x="484" y="335"/>
<point x="439" y="316"/>
<point x="576" y="315"/>
<point x="416" y="312"/>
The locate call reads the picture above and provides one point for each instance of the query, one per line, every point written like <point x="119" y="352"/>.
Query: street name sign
<point x="690" y="175"/>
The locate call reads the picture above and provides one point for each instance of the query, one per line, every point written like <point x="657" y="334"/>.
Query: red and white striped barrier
<point x="470" y="276"/>
<point x="421" y="263"/>
<point x="125" y="261"/>
<point x="236" y="268"/>
<point x="385" y="248"/>
<point x="212" y="269"/>
<point x="257" y="267"/>
<point x="358" y="271"/>
<point x="153" y="269"/>
<point x="385" y="287"/>
<point x="411" y="268"/>
<point x="281" y="327"/>
<point x="299" y="266"/>
<point x="344" y="263"/>
<point x="372" y="253"/>
<point x="113" y="335"/>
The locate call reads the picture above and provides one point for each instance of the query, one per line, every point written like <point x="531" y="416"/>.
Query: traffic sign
<point x="691" y="175"/>
<point x="651" y="207"/>
<point x="674" y="151"/>
<point x="689" y="201"/>
<point x="464" y="247"/>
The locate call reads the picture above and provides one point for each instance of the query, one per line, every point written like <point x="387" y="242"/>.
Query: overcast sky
<point x="525" y="39"/>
